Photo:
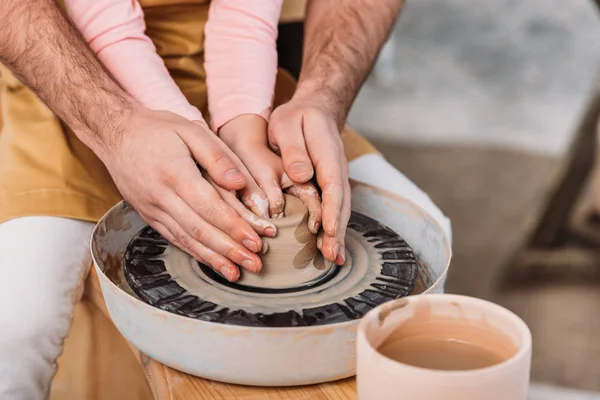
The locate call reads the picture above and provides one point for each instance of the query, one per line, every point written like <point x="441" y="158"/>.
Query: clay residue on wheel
<point x="391" y="271"/>
<point x="424" y="280"/>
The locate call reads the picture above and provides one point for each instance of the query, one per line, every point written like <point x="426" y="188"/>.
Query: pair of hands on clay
<point x="153" y="163"/>
<point x="308" y="144"/>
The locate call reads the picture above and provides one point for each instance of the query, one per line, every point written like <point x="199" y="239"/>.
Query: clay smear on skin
<point x="305" y="193"/>
<point x="280" y="204"/>
<point x="264" y="224"/>
<point x="261" y="203"/>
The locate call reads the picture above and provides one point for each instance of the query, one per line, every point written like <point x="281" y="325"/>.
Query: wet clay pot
<point x="292" y="258"/>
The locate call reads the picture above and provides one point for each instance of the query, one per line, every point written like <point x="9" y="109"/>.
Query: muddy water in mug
<point x="442" y="347"/>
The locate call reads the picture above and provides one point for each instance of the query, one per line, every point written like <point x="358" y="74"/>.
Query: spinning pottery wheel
<point x="184" y="315"/>
<point x="379" y="267"/>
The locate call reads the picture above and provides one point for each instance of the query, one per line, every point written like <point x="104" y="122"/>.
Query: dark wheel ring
<point x="150" y="280"/>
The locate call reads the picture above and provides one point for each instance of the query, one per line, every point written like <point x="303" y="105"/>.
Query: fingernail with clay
<point x="229" y="273"/>
<point x="319" y="243"/>
<point x="250" y="265"/>
<point x="316" y="225"/>
<point x="336" y="222"/>
<point x="251" y="245"/>
<point x="336" y="251"/>
<point x="270" y="232"/>
<point x="265" y="247"/>
<point x="234" y="175"/>
<point x="342" y="253"/>
<point x="300" y="168"/>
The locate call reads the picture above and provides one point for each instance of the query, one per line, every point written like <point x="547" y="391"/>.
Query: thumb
<point x="288" y="137"/>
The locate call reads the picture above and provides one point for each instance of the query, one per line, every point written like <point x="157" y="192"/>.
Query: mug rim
<point x="523" y="350"/>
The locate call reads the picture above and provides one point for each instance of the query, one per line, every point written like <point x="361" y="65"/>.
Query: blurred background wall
<point x="478" y="103"/>
<point x="497" y="72"/>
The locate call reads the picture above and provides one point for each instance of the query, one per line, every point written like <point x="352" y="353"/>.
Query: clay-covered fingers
<point x="286" y="137"/>
<point x="203" y="225"/>
<point x="333" y="247"/>
<point x="246" y="136"/>
<point x="252" y="195"/>
<point x="329" y="247"/>
<point x="262" y="226"/>
<point x="200" y="235"/>
<point x="265" y="167"/>
<point x="344" y="215"/>
<point x="269" y="183"/>
<point x="250" y="192"/>
<point x="308" y="193"/>
<point x="326" y="150"/>
<point x="255" y="198"/>
<point x="176" y="235"/>
<point x="205" y="202"/>
<point x="155" y="172"/>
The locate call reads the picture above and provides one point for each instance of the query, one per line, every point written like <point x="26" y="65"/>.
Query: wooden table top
<point x="167" y="383"/>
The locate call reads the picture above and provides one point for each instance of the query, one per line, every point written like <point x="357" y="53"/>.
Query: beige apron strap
<point x="292" y="11"/>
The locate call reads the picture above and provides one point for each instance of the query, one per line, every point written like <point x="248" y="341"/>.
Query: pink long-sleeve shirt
<point x="240" y="55"/>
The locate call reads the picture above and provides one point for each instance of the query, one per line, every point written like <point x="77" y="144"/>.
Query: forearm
<point x="342" y="40"/>
<point x="241" y="58"/>
<point x="115" y="31"/>
<point x="46" y="53"/>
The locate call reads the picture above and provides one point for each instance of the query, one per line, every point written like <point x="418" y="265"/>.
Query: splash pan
<point x="194" y="321"/>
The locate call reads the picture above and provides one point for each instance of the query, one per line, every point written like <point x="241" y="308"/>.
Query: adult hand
<point x="306" y="134"/>
<point x="153" y="163"/>
<point x="246" y="135"/>
<point x="251" y="195"/>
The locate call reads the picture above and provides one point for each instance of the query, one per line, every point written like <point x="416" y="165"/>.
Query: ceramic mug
<point x="382" y="378"/>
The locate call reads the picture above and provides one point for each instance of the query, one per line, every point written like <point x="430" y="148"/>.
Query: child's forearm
<point x="114" y="29"/>
<point x="241" y="58"/>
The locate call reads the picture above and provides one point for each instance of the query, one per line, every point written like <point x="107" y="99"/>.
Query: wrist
<point x="103" y="129"/>
<point x="245" y="128"/>
<point x="324" y="97"/>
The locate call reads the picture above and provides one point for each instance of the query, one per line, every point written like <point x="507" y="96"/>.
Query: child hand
<point x="246" y="136"/>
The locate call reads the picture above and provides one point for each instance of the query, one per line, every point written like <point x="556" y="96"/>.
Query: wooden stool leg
<point x="546" y="254"/>
<point x="596" y="172"/>
<point x="581" y="162"/>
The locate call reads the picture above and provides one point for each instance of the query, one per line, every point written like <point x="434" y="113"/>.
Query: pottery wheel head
<point x="380" y="266"/>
